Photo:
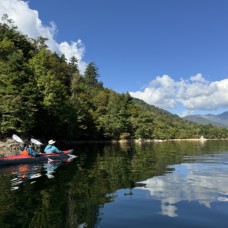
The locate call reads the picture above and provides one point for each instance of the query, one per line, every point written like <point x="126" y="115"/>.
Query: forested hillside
<point x="44" y="95"/>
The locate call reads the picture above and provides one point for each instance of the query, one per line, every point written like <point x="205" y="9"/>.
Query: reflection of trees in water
<point x="114" y="167"/>
<point x="23" y="202"/>
<point x="79" y="190"/>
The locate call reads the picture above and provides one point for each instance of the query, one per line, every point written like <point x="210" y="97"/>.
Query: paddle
<point x="17" y="138"/>
<point x="35" y="141"/>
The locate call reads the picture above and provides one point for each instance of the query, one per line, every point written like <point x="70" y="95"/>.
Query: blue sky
<point x="170" y="53"/>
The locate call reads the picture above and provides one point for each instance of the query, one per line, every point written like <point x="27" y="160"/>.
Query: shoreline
<point x="9" y="146"/>
<point x="201" y="139"/>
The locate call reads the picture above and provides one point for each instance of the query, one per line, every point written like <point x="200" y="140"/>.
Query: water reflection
<point x="203" y="179"/>
<point x="23" y="173"/>
<point x="50" y="167"/>
<point x="99" y="190"/>
<point x="28" y="173"/>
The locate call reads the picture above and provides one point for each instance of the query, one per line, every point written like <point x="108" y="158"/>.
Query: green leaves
<point x="91" y="74"/>
<point x="44" y="94"/>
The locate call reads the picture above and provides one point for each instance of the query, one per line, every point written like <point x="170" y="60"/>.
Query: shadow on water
<point x="121" y="185"/>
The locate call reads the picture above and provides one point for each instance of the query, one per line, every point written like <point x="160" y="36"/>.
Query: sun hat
<point x="51" y="141"/>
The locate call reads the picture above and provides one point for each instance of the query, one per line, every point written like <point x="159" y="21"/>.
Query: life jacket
<point x="24" y="152"/>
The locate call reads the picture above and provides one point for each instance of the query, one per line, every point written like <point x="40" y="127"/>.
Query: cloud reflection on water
<point x="205" y="181"/>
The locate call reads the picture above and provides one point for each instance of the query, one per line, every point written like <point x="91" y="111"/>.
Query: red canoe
<point x="24" y="159"/>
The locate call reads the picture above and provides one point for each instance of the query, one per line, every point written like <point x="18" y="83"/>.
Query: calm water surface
<point x="168" y="184"/>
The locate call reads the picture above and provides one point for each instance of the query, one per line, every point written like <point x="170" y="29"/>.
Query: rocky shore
<point x="8" y="147"/>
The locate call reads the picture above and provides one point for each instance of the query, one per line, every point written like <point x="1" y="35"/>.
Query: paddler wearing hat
<point x="50" y="148"/>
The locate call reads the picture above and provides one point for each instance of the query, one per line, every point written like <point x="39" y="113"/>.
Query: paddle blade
<point x="35" y="141"/>
<point x="17" y="138"/>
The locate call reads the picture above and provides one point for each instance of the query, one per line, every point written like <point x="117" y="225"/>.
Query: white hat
<point x="51" y="141"/>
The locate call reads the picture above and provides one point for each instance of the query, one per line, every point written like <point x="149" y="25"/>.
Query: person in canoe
<point x="50" y="148"/>
<point x="26" y="149"/>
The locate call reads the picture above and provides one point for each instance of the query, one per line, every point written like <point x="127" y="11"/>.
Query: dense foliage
<point x="42" y="94"/>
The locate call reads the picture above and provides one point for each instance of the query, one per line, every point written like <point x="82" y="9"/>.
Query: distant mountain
<point x="220" y="120"/>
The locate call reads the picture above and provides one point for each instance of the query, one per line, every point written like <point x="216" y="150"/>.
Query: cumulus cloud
<point x="196" y="93"/>
<point x="29" y="23"/>
<point x="75" y="49"/>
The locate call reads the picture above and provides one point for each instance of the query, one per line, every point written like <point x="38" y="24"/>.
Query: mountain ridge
<point x="220" y="120"/>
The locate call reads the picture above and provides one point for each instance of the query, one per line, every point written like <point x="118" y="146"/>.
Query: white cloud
<point x="160" y="92"/>
<point x="29" y="23"/>
<point x="74" y="49"/>
<point x="194" y="94"/>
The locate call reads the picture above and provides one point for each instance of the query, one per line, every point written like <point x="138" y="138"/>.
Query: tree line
<point x="44" y="95"/>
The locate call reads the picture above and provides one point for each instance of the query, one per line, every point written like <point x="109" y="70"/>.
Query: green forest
<point x="44" y="95"/>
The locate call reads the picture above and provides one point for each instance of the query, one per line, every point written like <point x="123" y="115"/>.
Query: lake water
<point x="165" y="184"/>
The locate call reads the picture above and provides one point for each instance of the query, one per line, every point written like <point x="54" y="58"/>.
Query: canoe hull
<point x="27" y="159"/>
